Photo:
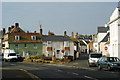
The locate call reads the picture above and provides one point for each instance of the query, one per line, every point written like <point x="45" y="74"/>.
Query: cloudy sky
<point x="81" y="17"/>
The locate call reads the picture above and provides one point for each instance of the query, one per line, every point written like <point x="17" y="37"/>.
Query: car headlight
<point x="114" y="64"/>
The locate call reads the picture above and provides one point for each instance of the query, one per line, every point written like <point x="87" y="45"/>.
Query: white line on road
<point x="90" y="77"/>
<point x="59" y="70"/>
<point x="75" y="73"/>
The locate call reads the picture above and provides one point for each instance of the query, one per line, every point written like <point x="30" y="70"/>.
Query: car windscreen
<point x="13" y="54"/>
<point x="113" y="59"/>
<point x="95" y="55"/>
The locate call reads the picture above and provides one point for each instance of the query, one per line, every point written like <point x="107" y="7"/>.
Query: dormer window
<point x="33" y="37"/>
<point x="17" y="37"/>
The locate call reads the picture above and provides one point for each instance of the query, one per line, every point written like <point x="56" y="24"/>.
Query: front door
<point x="58" y="54"/>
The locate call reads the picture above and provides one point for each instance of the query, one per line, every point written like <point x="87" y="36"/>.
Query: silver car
<point x="109" y="62"/>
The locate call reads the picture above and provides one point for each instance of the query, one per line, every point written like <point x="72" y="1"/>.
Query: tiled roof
<point x="16" y="30"/>
<point x="55" y="38"/>
<point x="105" y="39"/>
<point x="24" y="37"/>
<point x="103" y="29"/>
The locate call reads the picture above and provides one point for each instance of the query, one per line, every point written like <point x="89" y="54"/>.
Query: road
<point x="54" y="71"/>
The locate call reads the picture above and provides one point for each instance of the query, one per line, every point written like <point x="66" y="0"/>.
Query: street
<point x="33" y="71"/>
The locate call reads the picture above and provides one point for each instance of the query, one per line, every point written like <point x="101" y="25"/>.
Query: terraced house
<point x="30" y="44"/>
<point x="24" y="43"/>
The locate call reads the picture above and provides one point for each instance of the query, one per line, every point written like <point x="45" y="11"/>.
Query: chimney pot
<point x="4" y="31"/>
<point x="34" y="31"/>
<point x="12" y="26"/>
<point x="65" y="33"/>
<point x="41" y="30"/>
<point x="16" y="24"/>
<point x="9" y="28"/>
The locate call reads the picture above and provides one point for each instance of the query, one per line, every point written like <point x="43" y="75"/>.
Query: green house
<point x="24" y="43"/>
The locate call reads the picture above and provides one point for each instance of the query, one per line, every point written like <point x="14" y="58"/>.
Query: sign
<point x="62" y="51"/>
<point x="106" y="48"/>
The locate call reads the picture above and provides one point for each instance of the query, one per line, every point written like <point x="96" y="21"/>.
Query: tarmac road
<point x="49" y="71"/>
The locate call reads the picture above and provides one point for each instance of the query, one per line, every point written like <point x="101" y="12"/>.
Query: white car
<point x="93" y="58"/>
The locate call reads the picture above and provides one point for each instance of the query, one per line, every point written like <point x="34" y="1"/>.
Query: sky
<point x="81" y="17"/>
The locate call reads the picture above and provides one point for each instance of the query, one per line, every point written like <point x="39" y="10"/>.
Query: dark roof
<point x="55" y="38"/>
<point x="103" y="29"/>
<point x="105" y="39"/>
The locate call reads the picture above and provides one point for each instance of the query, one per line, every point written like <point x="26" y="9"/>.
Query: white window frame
<point x="33" y="37"/>
<point x="17" y="37"/>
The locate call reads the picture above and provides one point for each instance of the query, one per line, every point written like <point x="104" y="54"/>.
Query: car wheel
<point x="89" y="64"/>
<point x="100" y="68"/>
<point x="109" y="68"/>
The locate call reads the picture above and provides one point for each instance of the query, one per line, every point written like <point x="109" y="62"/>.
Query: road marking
<point x="12" y="64"/>
<point x="75" y="73"/>
<point x="59" y="70"/>
<point x="30" y="74"/>
<point x="90" y="77"/>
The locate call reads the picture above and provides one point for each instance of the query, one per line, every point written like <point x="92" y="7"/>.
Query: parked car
<point x="109" y="63"/>
<point x="19" y="58"/>
<point x="1" y="57"/>
<point x="9" y="55"/>
<point x="93" y="58"/>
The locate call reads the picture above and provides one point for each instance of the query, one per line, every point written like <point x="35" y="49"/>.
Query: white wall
<point x="6" y="44"/>
<point x="57" y="45"/>
<point x="100" y="37"/>
<point x="115" y="34"/>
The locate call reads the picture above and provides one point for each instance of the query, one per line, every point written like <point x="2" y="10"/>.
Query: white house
<point x="114" y="24"/>
<point x="58" y="46"/>
<point x="102" y="32"/>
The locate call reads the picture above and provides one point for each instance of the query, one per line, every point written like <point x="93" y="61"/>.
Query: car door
<point x="105" y="62"/>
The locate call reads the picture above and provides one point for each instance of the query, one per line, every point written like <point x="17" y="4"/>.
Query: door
<point x="104" y="63"/>
<point x="58" y="54"/>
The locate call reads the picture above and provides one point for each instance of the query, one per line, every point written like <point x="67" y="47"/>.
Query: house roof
<point x="16" y="30"/>
<point x="105" y="39"/>
<point x="55" y="38"/>
<point x="24" y="37"/>
<point x="103" y="29"/>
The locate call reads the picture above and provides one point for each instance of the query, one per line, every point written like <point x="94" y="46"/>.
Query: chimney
<point x="34" y="31"/>
<point x="72" y="34"/>
<point x="76" y="36"/>
<point x="65" y="33"/>
<point x="9" y="28"/>
<point x="4" y="31"/>
<point x="12" y="26"/>
<point x="16" y="24"/>
<point x="41" y="30"/>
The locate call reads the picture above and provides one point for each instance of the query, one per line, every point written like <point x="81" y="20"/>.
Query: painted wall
<point x="57" y="47"/>
<point x="100" y="36"/>
<point x="30" y="48"/>
<point x="115" y="34"/>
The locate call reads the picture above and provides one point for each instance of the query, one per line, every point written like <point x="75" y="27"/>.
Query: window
<point x="33" y="37"/>
<point x="25" y="45"/>
<point x="17" y="37"/>
<point x="35" y="46"/>
<point x="66" y="43"/>
<point x="16" y="45"/>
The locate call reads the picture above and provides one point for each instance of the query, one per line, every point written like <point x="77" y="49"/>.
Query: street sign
<point x="106" y="48"/>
